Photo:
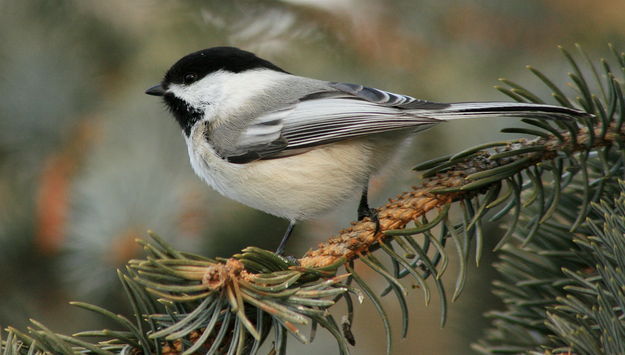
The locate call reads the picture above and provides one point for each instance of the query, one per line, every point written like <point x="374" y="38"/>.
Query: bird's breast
<point x="296" y="187"/>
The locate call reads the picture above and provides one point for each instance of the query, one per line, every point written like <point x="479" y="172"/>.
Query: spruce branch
<point x="464" y="178"/>
<point x="185" y="303"/>
<point x="564" y="292"/>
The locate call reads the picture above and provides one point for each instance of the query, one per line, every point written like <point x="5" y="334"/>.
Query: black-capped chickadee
<point x="296" y="147"/>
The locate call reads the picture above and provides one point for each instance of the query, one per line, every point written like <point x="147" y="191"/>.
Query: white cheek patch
<point x="208" y="94"/>
<point x="199" y="94"/>
<point x="223" y="93"/>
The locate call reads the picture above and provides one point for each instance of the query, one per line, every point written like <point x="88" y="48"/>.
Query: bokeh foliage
<point x="82" y="151"/>
<point x="184" y="303"/>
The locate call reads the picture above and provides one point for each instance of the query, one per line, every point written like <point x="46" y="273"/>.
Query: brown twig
<point x="409" y="206"/>
<point x="396" y="214"/>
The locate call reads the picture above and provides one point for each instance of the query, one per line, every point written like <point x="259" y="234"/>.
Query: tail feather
<point x="462" y="110"/>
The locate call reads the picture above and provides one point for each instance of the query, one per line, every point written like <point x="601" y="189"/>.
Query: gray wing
<point x="386" y="98"/>
<point x="324" y="117"/>
<point x="342" y="111"/>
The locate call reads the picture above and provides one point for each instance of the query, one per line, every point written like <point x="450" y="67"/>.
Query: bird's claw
<point x="372" y="213"/>
<point x="289" y="259"/>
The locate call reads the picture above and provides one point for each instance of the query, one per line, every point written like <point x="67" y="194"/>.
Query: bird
<point x="296" y="147"/>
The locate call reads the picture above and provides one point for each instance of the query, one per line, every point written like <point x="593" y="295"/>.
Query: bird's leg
<point x="285" y="238"/>
<point x="365" y="211"/>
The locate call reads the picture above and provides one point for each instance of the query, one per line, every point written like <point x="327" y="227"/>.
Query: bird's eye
<point x="189" y="78"/>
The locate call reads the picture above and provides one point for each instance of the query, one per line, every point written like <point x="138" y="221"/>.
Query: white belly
<point x="296" y="187"/>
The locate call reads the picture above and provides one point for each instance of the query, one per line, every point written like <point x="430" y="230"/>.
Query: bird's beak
<point x="156" y="90"/>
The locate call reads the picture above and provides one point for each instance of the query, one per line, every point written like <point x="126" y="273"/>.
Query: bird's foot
<point x="372" y="213"/>
<point x="291" y="260"/>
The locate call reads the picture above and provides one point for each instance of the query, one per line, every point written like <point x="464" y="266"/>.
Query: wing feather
<point x="344" y="111"/>
<point x="325" y="120"/>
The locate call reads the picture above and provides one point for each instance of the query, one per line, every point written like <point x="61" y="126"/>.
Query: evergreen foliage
<point x="564" y="292"/>
<point x="561" y="254"/>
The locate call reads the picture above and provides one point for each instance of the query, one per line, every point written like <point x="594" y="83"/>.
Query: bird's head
<point x="205" y="81"/>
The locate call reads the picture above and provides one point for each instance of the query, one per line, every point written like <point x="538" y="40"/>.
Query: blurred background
<point x="88" y="162"/>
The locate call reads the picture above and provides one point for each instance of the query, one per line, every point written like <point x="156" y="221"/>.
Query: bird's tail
<point x="462" y="110"/>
